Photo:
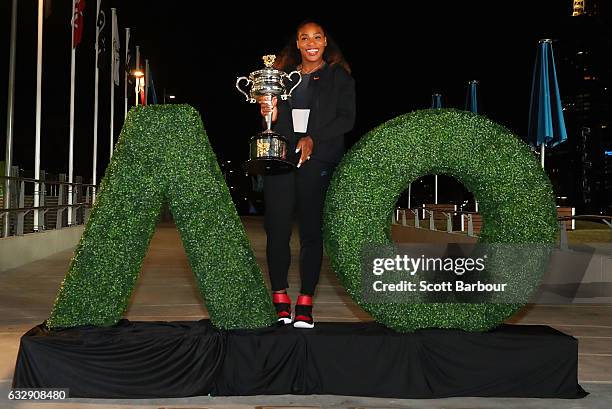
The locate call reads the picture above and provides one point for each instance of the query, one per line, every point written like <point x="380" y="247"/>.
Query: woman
<point x="314" y="120"/>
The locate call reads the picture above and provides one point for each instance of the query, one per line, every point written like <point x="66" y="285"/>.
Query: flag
<point x="116" y="49"/>
<point x="77" y="22"/>
<point x="151" y="95"/>
<point x="128" y="55"/>
<point x="101" y="40"/>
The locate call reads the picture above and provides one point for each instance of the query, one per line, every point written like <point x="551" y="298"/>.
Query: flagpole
<point x="9" y="119"/>
<point x="38" y="110"/>
<point x="95" y="125"/>
<point x="112" y="81"/>
<point x="71" y="142"/>
<point x="137" y="68"/>
<point x="146" y="82"/>
<point x="125" y="79"/>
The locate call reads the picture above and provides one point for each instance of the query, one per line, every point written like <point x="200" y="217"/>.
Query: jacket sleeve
<point x="344" y="120"/>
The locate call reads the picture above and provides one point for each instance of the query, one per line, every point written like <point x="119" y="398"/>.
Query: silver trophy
<point x="268" y="150"/>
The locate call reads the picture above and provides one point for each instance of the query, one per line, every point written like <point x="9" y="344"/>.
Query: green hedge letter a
<point x="163" y="154"/>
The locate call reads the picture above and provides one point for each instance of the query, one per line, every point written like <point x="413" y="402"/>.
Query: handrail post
<point x="470" y="229"/>
<point x="76" y="199"/>
<point x="88" y="198"/>
<point x="14" y="194"/>
<point x="59" y="222"/>
<point x="21" y="204"/>
<point x="41" y="201"/>
<point x="563" y="245"/>
<point x="449" y="222"/>
<point x="416" y="217"/>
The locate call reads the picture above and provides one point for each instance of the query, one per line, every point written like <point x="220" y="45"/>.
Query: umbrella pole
<point x="542" y="150"/>
<point x="436" y="189"/>
<point x="409" y="195"/>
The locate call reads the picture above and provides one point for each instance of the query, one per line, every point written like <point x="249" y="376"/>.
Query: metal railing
<point x="441" y="218"/>
<point x="55" y="209"/>
<point x="470" y="223"/>
<point x="563" y="239"/>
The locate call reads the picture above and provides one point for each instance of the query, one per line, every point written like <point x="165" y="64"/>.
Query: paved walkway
<point x="166" y="291"/>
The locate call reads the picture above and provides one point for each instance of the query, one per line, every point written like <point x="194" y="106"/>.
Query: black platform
<point x="179" y="359"/>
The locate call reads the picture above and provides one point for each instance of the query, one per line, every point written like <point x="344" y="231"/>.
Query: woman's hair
<point x="290" y="57"/>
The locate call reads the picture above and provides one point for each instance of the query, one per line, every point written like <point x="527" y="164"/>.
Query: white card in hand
<point x="300" y="120"/>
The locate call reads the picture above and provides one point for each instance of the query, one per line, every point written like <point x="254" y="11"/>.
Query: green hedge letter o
<point x="515" y="199"/>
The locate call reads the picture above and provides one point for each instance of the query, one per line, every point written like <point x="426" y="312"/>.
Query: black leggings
<point x="301" y="193"/>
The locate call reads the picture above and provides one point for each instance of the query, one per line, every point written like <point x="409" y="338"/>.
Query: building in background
<point x="581" y="169"/>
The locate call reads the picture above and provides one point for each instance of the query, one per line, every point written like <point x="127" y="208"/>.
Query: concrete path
<point x="166" y="291"/>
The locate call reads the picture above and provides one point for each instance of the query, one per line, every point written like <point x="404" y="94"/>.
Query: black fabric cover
<point x="154" y="359"/>
<point x="128" y="360"/>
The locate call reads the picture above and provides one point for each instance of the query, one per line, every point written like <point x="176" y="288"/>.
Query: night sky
<point x="399" y="56"/>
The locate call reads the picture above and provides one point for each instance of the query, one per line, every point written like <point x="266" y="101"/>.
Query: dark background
<point x="400" y="55"/>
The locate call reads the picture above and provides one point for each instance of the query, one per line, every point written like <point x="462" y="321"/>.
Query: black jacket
<point x="332" y="114"/>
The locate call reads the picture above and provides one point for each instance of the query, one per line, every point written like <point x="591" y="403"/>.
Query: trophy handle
<point x="285" y="96"/>
<point x="248" y="98"/>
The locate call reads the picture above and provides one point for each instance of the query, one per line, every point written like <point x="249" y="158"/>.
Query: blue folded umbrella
<point x="546" y="123"/>
<point x="471" y="99"/>
<point x="436" y="100"/>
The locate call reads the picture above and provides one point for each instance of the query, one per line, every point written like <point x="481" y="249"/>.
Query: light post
<point x="139" y="76"/>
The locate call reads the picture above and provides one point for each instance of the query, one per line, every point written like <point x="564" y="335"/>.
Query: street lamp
<point x="139" y="76"/>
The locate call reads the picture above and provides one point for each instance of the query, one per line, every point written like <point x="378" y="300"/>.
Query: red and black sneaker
<point x="282" y="303"/>
<point x="303" y="312"/>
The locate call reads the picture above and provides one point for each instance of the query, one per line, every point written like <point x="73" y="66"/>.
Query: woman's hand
<point x="305" y="146"/>
<point x="267" y="104"/>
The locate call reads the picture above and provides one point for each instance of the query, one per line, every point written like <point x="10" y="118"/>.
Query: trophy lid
<point x="269" y="70"/>
<point x="269" y="60"/>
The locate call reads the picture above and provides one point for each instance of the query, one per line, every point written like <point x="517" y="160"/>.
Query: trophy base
<point x="268" y="166"/>
<point x="268" y="154"/>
